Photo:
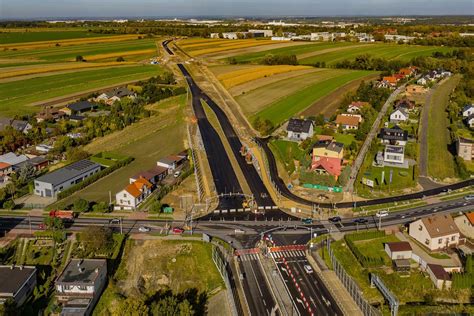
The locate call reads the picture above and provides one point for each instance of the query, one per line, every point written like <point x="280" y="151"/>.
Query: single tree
<point x="81" y="206"/>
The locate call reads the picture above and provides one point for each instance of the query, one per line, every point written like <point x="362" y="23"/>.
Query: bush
<point x="101" y="207"/>
<point x="9" y="205"/>
<point x="120" y="59"/>
<point x="81" y="206"/>
<point x="79" y="58"/>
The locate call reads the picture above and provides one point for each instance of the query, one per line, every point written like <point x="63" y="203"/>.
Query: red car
<point x="177" y="230"/>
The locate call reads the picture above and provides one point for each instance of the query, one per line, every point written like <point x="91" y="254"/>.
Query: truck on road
<point x="64" y="215"/>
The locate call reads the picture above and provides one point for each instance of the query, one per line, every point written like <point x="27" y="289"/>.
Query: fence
<point x="351" y="286"/>
<point x="224" y="268"/>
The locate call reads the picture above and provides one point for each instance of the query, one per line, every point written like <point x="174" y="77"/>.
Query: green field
<point x="292" y="104"/>
<point x="68" y="53"/>
<point x="331" y="53"/>
<point x="147" y="141"/>
<point x="374" y="248"/>
<point x="24" y="37"/>
<point x="443" y="166"/>
<point x="16" y="96"/>
<point x="287" y="152"/>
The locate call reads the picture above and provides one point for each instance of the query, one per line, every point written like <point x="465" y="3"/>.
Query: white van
<point x="381" y="213"/>
<point x="239" y="231"/>
<point x="308" y="268"/>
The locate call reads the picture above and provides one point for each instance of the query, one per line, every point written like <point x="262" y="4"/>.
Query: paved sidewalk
<point x="335" y="287"/>
<point x="452" y="262"/>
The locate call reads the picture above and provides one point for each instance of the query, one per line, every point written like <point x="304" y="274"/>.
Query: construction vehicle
<point x="243" y="150"/>
<point x="249" y="158"/>
<point x="64" y="215"/>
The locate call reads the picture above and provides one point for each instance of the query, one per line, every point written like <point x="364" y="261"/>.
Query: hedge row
<point x="463" y="280"/>
<point x="55" y="235"/>
<point x="94" y="178"/>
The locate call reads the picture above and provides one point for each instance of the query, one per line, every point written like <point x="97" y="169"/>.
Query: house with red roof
<point x="5" y="169"/>
<point x="465" y="223"/>
<point x="357" y="106"/>
<point x="327" y="165"/>
<point x="133" y="194"/>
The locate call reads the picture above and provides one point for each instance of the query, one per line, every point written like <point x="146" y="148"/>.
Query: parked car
<point x="381" y="213"/>
<point x="144" y="229"/>
<point x="308" y="268"/>
<point x="177" y="230"/>
<point x="114" y="221"/>
<point x="307" y="221"/>
<point x="469" y="197"/>
<point x="239" y="231"/>
<point x="335" y="219"/>
<point x="360" y="220"/>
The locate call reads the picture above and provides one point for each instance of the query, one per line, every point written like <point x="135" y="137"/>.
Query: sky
<point x="27" y="9"/>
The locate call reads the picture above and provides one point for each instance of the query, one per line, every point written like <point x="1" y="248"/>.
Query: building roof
<point x="405" y="103"/>
<point x="406" y="71"/>
<point x="122" y="92"/>
<point x="399" y="246"/>
<point x="395" y="133"/>
<point x="439" y="272"/>
<point x="82" y="271"/>
<point x="401" y="263"/>
<point x="466" y="140"/>
<point x="68" y="172"/>
<point x="401" y="110"/>
<point x="335" y="146"/>
<point x="470" y="217"/>
<point x="4" y="165"/>
<point x="299" y="126"/>
<point x="12" y="278"/>
<point x="135" y="188"/>
<point x="394" y="149"/>
<point x="171" y="159"/>
<point x="390" y="79"/>
<point x="359" y="104"/>
<point x="81" y="106"/>
<point x="151" y="173"/>
<point x="16" y="124"/>
<point x="467" y="107"/>
<point x="35" y="161"/>
<point x="332" y="165"/>
<point x="347" y="120"/>
<point x="324" y="138"/>
<point x="13" y="159"/>
<point x="440" y="225"/>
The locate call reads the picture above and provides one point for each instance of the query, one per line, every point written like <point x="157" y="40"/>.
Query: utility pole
<point x="29" y="222"/>
<point x="121" y="226"/>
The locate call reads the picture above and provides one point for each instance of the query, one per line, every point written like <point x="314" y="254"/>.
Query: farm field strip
<point x="239" y="77"/>
<point x="68" y="42"/>
<point x="19" y="36"/>
<point x="215" y="48"/>
<point x="292" y="104"/>
<point x="17" y="95"/>
<point x="39" y="69"/>
<point x="70" y="52"/>
<point x="257" y="99"/>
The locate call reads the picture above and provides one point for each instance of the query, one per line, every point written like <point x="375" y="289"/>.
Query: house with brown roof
<point x="398" y="250"/>
<point x="154" y="175"/>
<point x="465" y="223"/>
<point x="133" y="194"/>
<point x="348" y="121"/>
<point x="357" y="106"/>
<point x="49" y="113"/>
<point x="439" y="276"/>
<point x="435" y="232"/>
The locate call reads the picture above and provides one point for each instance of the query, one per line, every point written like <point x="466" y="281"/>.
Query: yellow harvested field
<point x="118" y="54"/>
<point x="230" y="47"/>
<point x="220" y="42"/>
<point x="68" y="42"/>
<point x="40" y="69"/>
<point x="238" y="77"/>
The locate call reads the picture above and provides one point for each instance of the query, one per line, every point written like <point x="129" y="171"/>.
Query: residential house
<point x="154" y="176"/>
<point x="398" y="250"/>
<point x="327" y="165"/>
<point x="13" y="160"/>
<point x="16" y="283"/>
<point x="77" y="118"/>
<point x="357" y="106"/>
<point x="261" y="33"/>
<point x="214" y="35"/>
<point x="43" y="148"/>
<point x="80" y="285"/>
<point x="465" y="148"/>
<point x="394" y="136"/>
<point x="133" y="194"/>
<point x="5" y="169"/>
<point x="38" y="163"/>
<point x="19" y="125"/>
<point x="172" y="162"/>
<point x="465" y="224"/>
<point x="394" y="154"/>
<point x="66" y="111"/>
<point x="333" y="150"/>
<point x="298" y="129"/>
<point x="407" y="72"/>
<point x="50" y="184"/>
<point x="322" y="36"/>
<point x="49" y="113"/>
<point x="399" y="115"/>
<point x="468" y="110"/>
<point x="470" y="121"/>
<point x="231" y="35"/>
<point x="390" y="81"/>
<point x="116" y="94"/>
<point x="435" y="232"/>
<point x="324" y="139"/>
<point x="348" y="121"/>
<point x="81" y="107"/>
<point x="405" y="103"/>
<point x="438" y="276"/>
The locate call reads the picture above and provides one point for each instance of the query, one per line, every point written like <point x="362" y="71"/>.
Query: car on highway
<point x="239" y="231"/>
<point x="307" y="221"/>
<point x="114" y="221"/>
<point x="360" y="220"/>
<point x="381" y="213"/>
<point x="177" y="230"/>
<point x="308" y="268"/>
<point x="469" y="197"/>
<point x="335" y="219"/>
<point x="144" y="229"/>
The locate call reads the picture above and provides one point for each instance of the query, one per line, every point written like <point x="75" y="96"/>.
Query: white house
<point x="438" y="276"/>
<point x="172" y="162"/>
<point x="230" y="35"/>
<point x="214" y="35"/>
<point x="298" y="129"/>
<point x="399" y="115"/>
<point x="470" y="121"/>
<point x="80" y="285"/>
<point x="133" y="194"/>
<point x="465" y="224"/>
<point x="468" y="110"/>
<point x="435" y="232"/>
<point x="398" y="250"/>
<point x="394" y="154"/>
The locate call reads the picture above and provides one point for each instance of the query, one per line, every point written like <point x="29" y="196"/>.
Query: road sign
<point x="368" y="182"/>
<point x="383" y="177"/>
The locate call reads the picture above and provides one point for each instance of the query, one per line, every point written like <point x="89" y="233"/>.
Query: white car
<point x="308" y="268"/>
<point x="381" y="214"/>
<point x="177" y="174"/>
<point x="144" y="229"/>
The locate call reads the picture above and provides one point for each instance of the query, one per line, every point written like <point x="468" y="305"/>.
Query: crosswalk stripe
<point x="301" y="253"/>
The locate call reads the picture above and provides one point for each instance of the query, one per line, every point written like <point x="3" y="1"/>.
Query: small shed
<point x="398" y="250"/>
<point x="401" y="265"/>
